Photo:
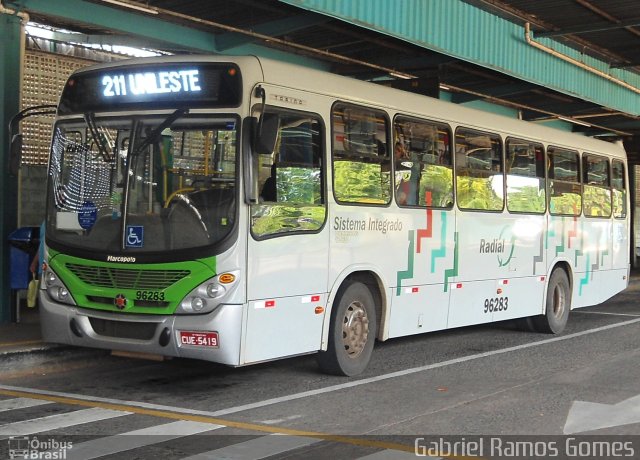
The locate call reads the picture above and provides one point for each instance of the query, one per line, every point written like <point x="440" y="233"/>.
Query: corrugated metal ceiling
<point x="618" y="46"/>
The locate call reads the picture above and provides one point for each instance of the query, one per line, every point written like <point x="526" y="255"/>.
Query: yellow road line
<point x="218" y="421"/>
<point x="48" y="370"/>
<point x="23" y="342"/>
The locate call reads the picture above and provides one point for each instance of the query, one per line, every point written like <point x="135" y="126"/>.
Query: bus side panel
<point x="282" y="273"/>
<point x="419" y="300"/>
<point x="595" y="281"/>
<point x="283" y="326"/>
<point x="420" y="294"/>
<point x="522" y="267"/>
<point x="620" y="244"/>
<point x="501" y="267"/>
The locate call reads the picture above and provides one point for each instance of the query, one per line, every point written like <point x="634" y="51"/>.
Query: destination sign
<point x="175" y="81"/>
<point x="145" y="87"/>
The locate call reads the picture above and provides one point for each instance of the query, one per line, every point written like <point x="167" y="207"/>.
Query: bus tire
<point x="558" y="305"/>
<point x="352" y="332"/>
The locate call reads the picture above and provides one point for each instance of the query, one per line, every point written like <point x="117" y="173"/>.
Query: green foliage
<point x="359" y="182"/>
<point x="269" y="219"/>
<point x="479" y="193"/>
<point x="619" y="203"/>
<point x="439" y="181"/>
<point x="299" y="185"/>
<point x="597" y="201"/>
<point x="526" y="194"/>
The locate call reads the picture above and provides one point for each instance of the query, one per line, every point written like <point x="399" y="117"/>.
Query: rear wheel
<point x="352" y="332"/>
<point x="558" y="304"/>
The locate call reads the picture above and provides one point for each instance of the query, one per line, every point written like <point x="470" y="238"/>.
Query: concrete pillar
<point x="11" y="48"/>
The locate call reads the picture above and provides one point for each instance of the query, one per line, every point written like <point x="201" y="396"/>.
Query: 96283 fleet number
<point x="496" y="304"/>
<point x="149" y="295"/>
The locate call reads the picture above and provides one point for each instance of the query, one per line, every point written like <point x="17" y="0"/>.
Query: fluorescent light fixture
<point x="133" y="6"/>
<point x="574" y="121"/>
<point x="444" y="87"/>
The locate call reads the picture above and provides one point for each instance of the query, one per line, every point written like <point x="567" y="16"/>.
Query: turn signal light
<point x="227" y="278"/>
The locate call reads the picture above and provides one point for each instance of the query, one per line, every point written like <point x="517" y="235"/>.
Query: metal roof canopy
<point x="476" y="48"/>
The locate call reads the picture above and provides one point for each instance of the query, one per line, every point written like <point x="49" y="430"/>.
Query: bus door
<point x="288" y="249"/>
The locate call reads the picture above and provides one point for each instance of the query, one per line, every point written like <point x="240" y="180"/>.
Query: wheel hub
<point x="355" y="329"/>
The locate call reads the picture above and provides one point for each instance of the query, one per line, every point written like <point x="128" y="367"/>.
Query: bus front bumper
<point x="166" y="335"/>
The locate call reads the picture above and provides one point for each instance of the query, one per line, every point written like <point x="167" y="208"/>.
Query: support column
<point x="10" y="64"/>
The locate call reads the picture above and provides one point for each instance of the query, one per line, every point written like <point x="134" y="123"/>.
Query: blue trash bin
<point x="23" y="246"/>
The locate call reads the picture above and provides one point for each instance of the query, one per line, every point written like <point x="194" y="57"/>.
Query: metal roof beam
<point x="111" y="40"/>
<point x="589" y="28"/>
<point x="277" y="28"/>
<point x="147" y="27"/>
<point x="491" y="42"/>
<point x="494" y="91"/>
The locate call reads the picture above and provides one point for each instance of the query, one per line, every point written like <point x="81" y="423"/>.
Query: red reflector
<point x="415" y="289"/>
<point x="315" y="298"/>
<point x="542" y="278"/>
<point x="270" y="303"/>
<point x="505" y="281"/>
<point x="459" y="286"/>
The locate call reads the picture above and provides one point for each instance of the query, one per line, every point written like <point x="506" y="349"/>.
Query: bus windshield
<point x="142" y="185"/>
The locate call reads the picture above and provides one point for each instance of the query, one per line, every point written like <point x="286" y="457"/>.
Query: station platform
<point x="23" y="336"/>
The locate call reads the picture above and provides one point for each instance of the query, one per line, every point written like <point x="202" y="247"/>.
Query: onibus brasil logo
<point x="26" y="447"/>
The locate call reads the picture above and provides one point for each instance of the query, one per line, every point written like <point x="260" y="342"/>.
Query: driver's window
<point x="290" y="179"/>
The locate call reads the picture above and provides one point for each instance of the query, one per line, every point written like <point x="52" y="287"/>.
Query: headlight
<point x="197" y="304"/>
<point x="215" y="290"/>
<point x="206" y="297"/>
<point x="56" y="290"/>
<point x="50" y="278"/>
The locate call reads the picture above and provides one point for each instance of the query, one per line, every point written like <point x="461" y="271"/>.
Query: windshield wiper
<point x="90" y="119"/>
<point x="155" y="134"/>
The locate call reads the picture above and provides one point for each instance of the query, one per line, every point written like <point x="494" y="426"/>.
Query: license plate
<point x="199" y="339"/>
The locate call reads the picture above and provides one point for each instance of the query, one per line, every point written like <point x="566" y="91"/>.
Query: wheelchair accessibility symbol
<point x="135" y="236"/>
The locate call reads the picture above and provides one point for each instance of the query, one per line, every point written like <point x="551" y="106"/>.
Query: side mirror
<point x="267" y="133"/>
<point x="15" y="154"/>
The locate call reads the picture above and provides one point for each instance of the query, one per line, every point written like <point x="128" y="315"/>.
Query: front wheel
<point x="558" y="305"/>
<point x="352" y="332"/>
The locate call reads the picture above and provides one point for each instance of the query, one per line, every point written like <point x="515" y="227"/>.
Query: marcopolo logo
<point x="121" y="259"/>
<point x="25" y="447"/>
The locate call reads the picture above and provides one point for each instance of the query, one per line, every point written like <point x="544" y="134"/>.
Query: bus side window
<point x="479" y="170"/>
<point x="619" y="188"/>
<point x="361" y="156"/>
<point x="290" y="179"/>
<point x="565" y="197"/>
<point x="423" y="174"/>
<point x="596" y="191"/>
<point x="526" y="191"/>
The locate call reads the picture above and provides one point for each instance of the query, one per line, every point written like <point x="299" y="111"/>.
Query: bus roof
<point x="350" y="89"/>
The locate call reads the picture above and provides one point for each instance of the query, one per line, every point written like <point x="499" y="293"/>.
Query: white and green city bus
<point x="240" y="210"/>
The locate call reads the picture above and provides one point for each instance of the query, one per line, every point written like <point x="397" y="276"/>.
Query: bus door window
<point x="290" y="179"/>
<point x="565" y="193"/>
<point x="479" y="170"/>
<point x="196" y="167"/>
<point x="526" y="191"/>
<point x="619" y="188"/>
<point x="361" y="155"/>
<point x="423" y="173"/>
<point x="596" y="191"/>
